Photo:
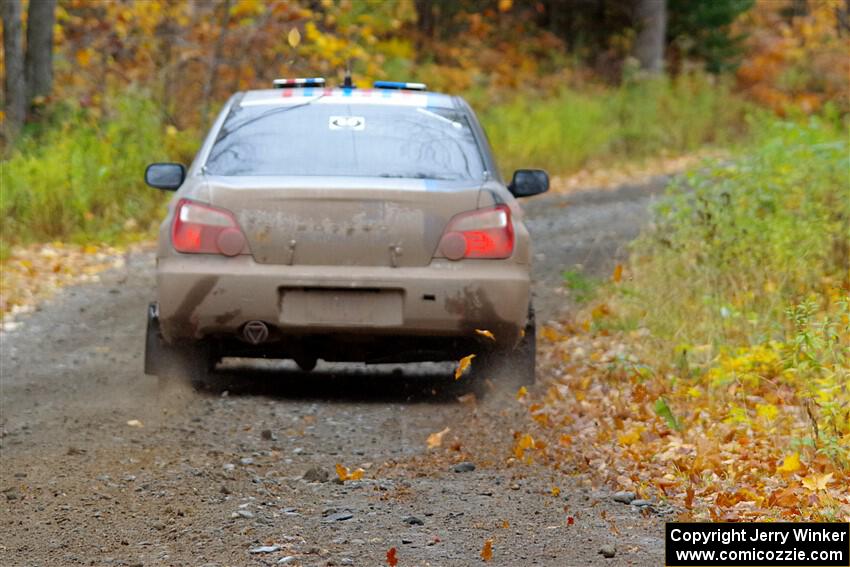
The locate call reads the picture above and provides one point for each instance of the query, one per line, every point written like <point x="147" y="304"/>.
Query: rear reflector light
<point x="485" y="233"/>
<point x="202" y="229"/>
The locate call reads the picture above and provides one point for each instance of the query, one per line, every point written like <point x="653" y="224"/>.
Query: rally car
<point x="343" y="224"/>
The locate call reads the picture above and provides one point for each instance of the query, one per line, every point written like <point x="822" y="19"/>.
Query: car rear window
<point x="360" y="140"/>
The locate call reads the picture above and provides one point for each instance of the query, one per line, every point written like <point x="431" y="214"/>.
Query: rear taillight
<point x="484" y="233"/>
<point x="202" y="229"/>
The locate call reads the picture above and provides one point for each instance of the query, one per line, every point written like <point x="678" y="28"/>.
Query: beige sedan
<point x="357" y="225"/>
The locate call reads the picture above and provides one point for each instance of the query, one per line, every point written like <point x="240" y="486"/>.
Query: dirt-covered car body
<point x="342" y="224"/>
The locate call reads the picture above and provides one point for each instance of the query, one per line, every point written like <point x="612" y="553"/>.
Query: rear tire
<point x="190" y="363"/>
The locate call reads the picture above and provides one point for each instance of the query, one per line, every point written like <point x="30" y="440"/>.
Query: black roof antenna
<point x="346" y="82"/>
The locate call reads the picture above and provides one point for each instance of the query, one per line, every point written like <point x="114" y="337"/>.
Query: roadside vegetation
<point x="721" y="352"/>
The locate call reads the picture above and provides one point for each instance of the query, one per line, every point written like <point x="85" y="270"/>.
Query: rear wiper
<point x="225" y="132"/>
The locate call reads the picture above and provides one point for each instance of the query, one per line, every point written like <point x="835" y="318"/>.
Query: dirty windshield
<point x="347" y="140"/>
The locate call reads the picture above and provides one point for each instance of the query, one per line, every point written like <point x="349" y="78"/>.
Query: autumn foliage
<point x="712" y="374"/>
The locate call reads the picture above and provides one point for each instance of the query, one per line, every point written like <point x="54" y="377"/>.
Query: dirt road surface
<point x="216" y="478"/>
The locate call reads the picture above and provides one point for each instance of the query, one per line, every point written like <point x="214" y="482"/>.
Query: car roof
<point x="321" y="95"/>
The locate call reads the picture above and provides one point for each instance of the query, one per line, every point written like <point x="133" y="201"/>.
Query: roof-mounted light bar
<point x="298" y="83"/>
<point x="400" y="86"/>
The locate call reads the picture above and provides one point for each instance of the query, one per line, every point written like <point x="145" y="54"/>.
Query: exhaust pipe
<point x="255" y="332"/>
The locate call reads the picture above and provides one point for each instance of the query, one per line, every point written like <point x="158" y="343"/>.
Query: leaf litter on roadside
<point x="33" y="273"/>
<point x="714" y="452"/>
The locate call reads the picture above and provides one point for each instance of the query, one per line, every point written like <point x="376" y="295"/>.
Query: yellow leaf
<point x="486" y="333"/>
<point x="462" y="365"/>
<point x="790" y="464"/>
<point x="767" y="411"/>
<point x="556" y="491"/>
<point x="521" y="393"/>
<point x="356" y="475"/>
<point x="550" y="334"/>
<point x="487" y="550"/>
<point x="436" y="439"/>
<point x="505" y="5"/>
<point x="526" y="441"/>
<point x="293" y="37"/>
<point x="817" y="482"/>
<point x="90" y="249"/>
<point x="631" y="437"/>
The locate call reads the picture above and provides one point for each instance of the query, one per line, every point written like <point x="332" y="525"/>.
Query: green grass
<point x="636" y="120"/>
<point x="735" y="243"/>
<point x="80" y="178"/>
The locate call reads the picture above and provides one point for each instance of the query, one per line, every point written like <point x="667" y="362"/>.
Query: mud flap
<point x="153" y="344"/>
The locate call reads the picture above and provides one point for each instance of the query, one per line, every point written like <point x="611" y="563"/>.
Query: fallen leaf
<point x="392" y="560"/>
<point x="487" y="550"/>
<point x="556" y="491"/>
<point x="344" y="474"/>
<point x="570" y="520"/>
<point x="790" y="464"/>
<point x="817" y="482"/>
<point x="486" y="333"/>
<point x="436" y="439"/>
<point x="135" y="423"/>
<point x="550" y="334"/>
<point x="689" y="498"/>
<point x="618" y="273"/>
<point x="462" y="365"/>
<point x="521" y="393"/>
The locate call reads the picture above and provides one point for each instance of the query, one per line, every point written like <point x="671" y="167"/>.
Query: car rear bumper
<point x="205" y="296"/>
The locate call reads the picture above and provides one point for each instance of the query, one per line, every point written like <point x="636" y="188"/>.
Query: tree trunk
<point x="425" y="17"/>
<point x="39" y="59"/>
<point x="215" y="61"/>
<point x="651" y="19"/>
<point x="15" y="88"/>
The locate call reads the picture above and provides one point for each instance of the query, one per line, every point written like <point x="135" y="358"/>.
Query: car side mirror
<point x="529" y="182"/>
<point x="166" y="176"/>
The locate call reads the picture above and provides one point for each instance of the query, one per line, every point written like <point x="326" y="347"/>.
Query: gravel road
<point x="216" y="478"/>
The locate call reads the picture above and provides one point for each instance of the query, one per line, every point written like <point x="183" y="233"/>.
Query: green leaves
<point x="664" y="411"/>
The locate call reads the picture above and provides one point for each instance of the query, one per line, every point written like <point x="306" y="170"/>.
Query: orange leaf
<point x="618" y="273"/>
<point x="436" y="439"/>
<point x="462" y="365"/>
<point x="487" y="550"/>
<point x="392" y="560"/>
<point x="486" y="333"/>
<point x="341" y="472"/>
